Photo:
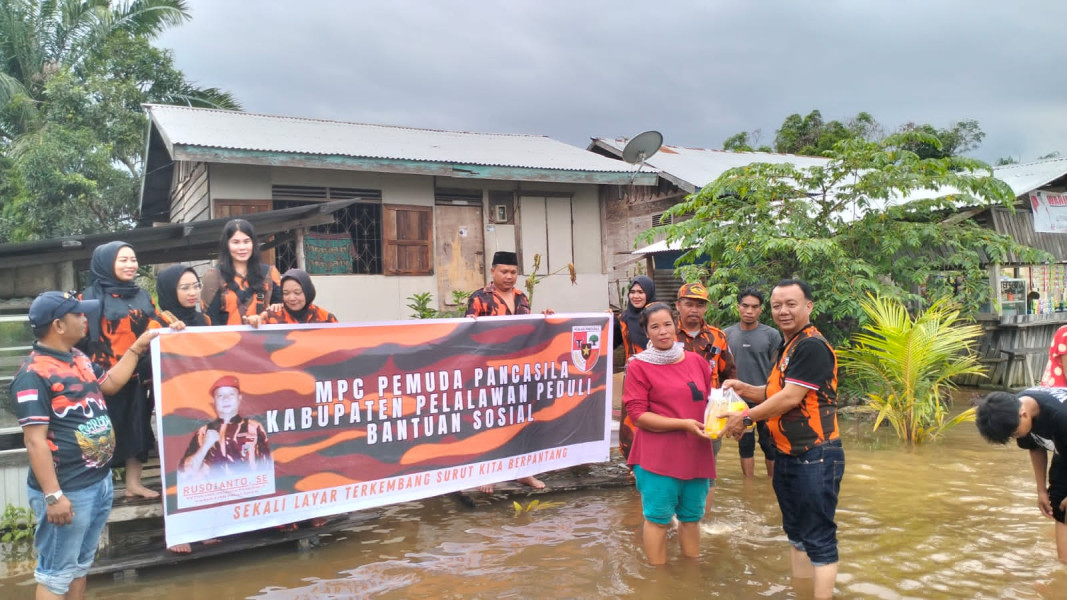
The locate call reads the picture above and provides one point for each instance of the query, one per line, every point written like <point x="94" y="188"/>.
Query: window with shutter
<point x="407" y="239"/>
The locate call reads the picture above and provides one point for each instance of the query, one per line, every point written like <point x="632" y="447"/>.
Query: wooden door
<point x="460" y="251"/>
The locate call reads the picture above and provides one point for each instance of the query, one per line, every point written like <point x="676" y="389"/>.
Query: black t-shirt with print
<point x="1049" y="429"/>
<point x="61" y="390"/>
<point x="811" y="366"/>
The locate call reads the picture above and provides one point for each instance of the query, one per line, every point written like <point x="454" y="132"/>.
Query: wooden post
<point x="65" y="276"/>
<point x="300" y="258"/>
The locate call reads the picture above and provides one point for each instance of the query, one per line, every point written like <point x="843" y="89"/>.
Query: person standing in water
<point x="631" y="336"/>
<point x="500" y="298"/>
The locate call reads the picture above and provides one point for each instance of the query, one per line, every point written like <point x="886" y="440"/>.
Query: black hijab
<point x="117" y="298"/>
<point x="300" y="276"/>
<point x="167" y="293"/>
<point x="632" y="316"/>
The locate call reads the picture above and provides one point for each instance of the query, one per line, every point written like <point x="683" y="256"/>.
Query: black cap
<point x="49" y="306"/>
<point x="505" y="258"/>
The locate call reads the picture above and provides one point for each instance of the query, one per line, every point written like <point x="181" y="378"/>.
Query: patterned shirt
<point x="313" y="314"/>
<point x="1054" y="375"/>
<point x="242" y="446"/>
<point x="116" y="336"/>
<point x="61" y="390"/>
<point x="488" y="302"/>
<point x="711" y="343"/>
<point x="224" y="306"/>
<point x="806" y="360"/>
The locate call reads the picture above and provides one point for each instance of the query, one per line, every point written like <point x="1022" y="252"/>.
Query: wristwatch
<point x="745" y="419"/>
<point x="52" y="498"/>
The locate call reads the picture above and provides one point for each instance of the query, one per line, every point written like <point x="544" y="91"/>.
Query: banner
<point x="265" y="427"/>
<point x="1050" y="211"/>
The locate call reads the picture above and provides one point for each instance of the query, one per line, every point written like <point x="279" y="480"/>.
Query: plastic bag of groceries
<point x="720" y="402"/>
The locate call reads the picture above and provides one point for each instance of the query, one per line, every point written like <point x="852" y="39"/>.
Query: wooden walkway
<point x="140" y="546"/>
<point x="133" y="539"/>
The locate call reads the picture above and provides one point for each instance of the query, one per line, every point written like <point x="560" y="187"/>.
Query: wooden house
<point x="429" y="208"/>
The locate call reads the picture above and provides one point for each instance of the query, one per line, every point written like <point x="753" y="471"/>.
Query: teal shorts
<point x="663" y="497"/>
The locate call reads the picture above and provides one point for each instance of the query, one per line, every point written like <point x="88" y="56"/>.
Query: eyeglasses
<point x="189" y="287"/>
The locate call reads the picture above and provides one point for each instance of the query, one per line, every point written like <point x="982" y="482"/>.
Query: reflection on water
<point x="953" y="520"/>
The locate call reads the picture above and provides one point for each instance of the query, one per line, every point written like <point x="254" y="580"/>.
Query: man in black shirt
<point x="59" y="402"/>
<point x="1037" y="419"/>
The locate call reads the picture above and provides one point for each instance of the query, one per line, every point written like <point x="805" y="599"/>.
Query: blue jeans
<point x="65" y="552"/>
<point x="807" y="487"/>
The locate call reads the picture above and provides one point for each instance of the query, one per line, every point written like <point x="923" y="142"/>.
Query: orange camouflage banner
<point x="289" y="422"/>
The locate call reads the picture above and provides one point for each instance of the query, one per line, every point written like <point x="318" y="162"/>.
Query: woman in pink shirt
<point x="665" y="393"/>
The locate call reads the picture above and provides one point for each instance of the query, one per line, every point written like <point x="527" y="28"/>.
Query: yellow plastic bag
<point x="720" y="402"/>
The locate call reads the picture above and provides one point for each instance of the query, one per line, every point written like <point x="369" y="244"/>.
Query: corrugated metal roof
<point x="699" y="167"/>
<point x="662" y="246"/>
<point x="1026" y="177"/>
<point x="223" y="129"/>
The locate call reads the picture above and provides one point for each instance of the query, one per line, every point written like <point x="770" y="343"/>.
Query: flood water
<point x="955" y="519"/>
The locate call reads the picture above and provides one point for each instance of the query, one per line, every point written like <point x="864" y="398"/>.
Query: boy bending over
<point x="1037" y="419"/>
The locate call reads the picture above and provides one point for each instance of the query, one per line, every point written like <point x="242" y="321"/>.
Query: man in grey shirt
<point x="754" y="346"/>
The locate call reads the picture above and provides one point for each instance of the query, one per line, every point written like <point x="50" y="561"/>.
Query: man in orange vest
<point x="799" y="404"/>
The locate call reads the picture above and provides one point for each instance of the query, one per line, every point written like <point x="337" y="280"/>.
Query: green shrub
<point x="17" y="524"/>
<point x="907" y="365"/>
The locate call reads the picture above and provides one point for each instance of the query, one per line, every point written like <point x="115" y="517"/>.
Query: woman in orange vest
<point x="298" y="293"/>
<point x="631" y="336"/>
<point x="240" y="288"/>
<point x="126" y="311"/>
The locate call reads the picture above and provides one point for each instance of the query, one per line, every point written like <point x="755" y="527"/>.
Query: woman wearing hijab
<point x="665" y="394"/>
<point x="240" y="288"/>
<point x="298" y="293"/>
<point x="178" y="292"/>
<point x="126" y="311"/>
<point x="631" y="336"/>
<point x="628" y="332"/>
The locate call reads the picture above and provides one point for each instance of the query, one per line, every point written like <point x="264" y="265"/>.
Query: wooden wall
<point x="28" y="281"/>
<point x="14" y="467"/>
<point x="190" y="193"/>
<point x="626" y="212"/>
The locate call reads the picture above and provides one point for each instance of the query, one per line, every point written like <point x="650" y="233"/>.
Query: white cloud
<point x="699" y="70"/>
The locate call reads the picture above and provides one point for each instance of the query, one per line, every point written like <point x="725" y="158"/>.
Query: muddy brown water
<point x="955" y="519"/>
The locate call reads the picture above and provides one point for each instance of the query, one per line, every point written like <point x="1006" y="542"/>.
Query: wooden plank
<point x="152" y="553"/>
<point x="460" y="251"/>
<point x="559" y="233"/>
<point x="533" y="213"/>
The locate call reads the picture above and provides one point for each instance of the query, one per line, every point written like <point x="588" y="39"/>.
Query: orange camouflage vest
<point x="814" y="420"/>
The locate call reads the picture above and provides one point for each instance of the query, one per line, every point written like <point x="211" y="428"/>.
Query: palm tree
<point x="38" y="38"/>
<point x="909" y="364"/>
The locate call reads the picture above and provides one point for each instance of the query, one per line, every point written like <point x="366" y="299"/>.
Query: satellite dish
<point x="642" y="147"/>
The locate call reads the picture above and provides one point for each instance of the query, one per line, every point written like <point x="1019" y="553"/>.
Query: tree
<point x="740" y="142"/>
<point x="40" y="38"/>
<point x="812" y="136"/>
<point x="957" y="139"/>
<point x="845" y="229"/>
<point x="72" y="130"/>
<point x="908" y="365"/>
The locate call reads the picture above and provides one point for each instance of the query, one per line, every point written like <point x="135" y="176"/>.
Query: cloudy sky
<point x="698" y="71"/>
